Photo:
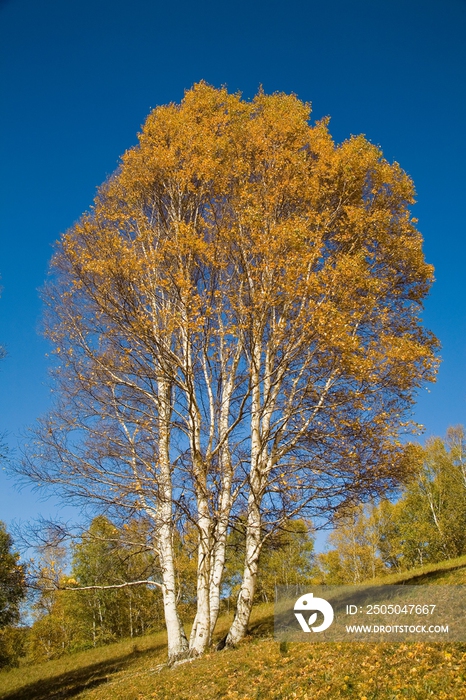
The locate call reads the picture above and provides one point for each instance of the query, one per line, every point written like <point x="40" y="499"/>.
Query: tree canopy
<point x="238" y="332"/>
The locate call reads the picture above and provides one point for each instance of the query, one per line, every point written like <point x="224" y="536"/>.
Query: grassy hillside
<point x="257" y="669"/>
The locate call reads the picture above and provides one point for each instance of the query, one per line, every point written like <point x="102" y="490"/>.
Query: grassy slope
<point x="134" y="670"/>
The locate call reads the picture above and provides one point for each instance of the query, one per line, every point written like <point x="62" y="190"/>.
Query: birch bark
<point x="177" y="641"/>
<point x="244" y="603"/>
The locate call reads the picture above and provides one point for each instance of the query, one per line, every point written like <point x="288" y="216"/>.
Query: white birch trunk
<point x="220" y="532"/>
<point x="177" y="641"/>
<point x="244" y="603"/>
<point x="245" y="600"/>
<point x="218" y="555"/>
<point x="200" y="633"/>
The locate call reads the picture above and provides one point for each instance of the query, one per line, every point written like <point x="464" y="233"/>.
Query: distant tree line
<point x="427" y="524"/>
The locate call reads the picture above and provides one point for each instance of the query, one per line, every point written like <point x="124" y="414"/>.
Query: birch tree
<point x="236" y="322"/>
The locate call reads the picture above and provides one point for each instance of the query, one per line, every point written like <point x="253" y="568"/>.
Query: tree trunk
<point x="244" y="603"/>
<point x="245" y="600"/>
<point x="218" y="564"/>
<point x="177" y="641"/>
<point x="200" y="633"/>
<point x="220" y="529"/>
<point x="220" y="532"/>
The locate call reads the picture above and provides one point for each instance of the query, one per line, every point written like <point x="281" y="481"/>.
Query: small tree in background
<point x="356" y="541"/>
<point x="431" y="522"/>
<point x="287" y="559"/>
<point x="426" y="524"/>
<point x="108" y="556"/>
<point x="92" y="605"/>
<point x="12" y="580"/>
<point x="12" y="593"/>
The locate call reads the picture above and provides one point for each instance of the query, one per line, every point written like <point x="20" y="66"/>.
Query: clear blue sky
<point x="78" y="79"/>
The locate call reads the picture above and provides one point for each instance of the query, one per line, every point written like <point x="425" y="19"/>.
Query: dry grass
<point x="443" y="572"/>
<point x="68" y="676"/>
<point x="257" y="670"/>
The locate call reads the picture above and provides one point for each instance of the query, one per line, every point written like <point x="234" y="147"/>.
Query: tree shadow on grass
<point x="71" y="683"/>
<point x="263" y="627"/>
